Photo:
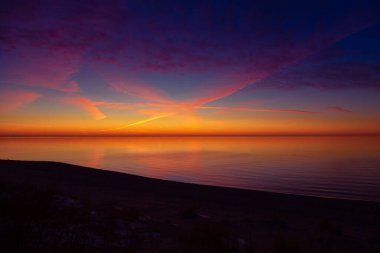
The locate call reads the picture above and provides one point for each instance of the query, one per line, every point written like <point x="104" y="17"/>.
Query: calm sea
<point x="343" y="167"/>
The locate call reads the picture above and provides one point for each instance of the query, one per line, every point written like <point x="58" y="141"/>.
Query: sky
<point x="189" y="67"/>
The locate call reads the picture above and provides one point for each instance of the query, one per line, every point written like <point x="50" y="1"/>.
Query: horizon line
<point x="185" y="135"/>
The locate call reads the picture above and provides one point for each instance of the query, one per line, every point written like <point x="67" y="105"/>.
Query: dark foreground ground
<point x="56" y="207"/>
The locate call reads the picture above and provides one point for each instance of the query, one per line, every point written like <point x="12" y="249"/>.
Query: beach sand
<point x="51" y="206"/>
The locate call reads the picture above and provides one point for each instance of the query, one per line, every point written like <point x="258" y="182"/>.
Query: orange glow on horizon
<point x="163" y="126"/>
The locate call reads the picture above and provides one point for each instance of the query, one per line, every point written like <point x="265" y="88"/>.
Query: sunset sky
<point x="189" y="67"/>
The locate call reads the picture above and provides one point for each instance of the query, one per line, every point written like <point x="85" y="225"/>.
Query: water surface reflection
<point x="346" y="167"/>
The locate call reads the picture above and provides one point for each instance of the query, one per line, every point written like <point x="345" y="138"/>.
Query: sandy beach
<point x="151" y="215"/>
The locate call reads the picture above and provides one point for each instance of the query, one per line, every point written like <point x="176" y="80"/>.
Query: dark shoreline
<point x="261" y="214"/>
<point x="60" y="174"/>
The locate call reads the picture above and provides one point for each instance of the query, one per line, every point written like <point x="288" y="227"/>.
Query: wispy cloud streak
<point x="246" y="109"/>
<point x="87" y="105"/>
<point x="11" y="101"/>
<point x="339" y="109"/>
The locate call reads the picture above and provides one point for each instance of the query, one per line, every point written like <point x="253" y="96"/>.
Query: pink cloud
<point x="88" y="105"/>
<point x="130" y="86"/>
<point x="49" y="50"/>
<point x="41" y="68"/>
<point x="224" y="87"/>
<point x="141" y="90"/>
<point x="247" y="109"/>
<point x="13" y="100"/>
<point x="339" y="109"/>
<point x="117" y="105"/>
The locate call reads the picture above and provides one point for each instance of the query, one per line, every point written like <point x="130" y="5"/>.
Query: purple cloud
<point x="339" y="109"/>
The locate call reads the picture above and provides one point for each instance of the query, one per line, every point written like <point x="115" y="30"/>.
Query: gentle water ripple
<point x="343" y="167"/>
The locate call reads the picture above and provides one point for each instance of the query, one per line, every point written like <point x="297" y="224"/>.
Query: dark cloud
<point x="254" y="39"/>
<point x="339" y="109"/>
<point x="353" y="62"/>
